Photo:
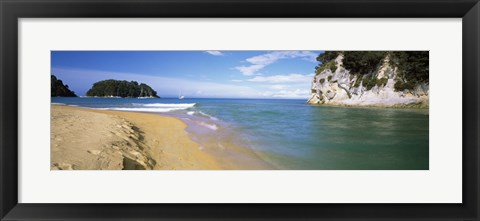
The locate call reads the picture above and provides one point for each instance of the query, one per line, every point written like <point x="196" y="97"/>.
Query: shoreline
<point x="89" y="139"/>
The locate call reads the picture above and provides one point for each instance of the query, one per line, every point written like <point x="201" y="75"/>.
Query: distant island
<point x="58" y="89"/>
<point x="119" y="88"/>
<point x="372" y="78"/>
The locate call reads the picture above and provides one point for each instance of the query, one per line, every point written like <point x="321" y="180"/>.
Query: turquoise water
<point x="290" y="134"/>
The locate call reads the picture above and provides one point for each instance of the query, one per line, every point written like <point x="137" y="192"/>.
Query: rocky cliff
<point x="58" y="89"/>
<point x="334" y="84"/>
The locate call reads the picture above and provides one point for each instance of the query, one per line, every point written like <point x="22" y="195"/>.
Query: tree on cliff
<point x="363" y="62"/>
<point x="117" y="88"/>
<point x="58" y="89"/>
<point x="413" y="65"/>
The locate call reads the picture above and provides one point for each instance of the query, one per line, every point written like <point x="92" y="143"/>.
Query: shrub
<point x="329" y="78"/>
<point x="369" y="82"/>
<point x="332" y="66"/>
<point x="329" y="65"/>
<point x="363" y="62"/>
<point x="382" y="81"/>
<point x="413" y="66"/>
<point x="400" y="85"/>
<point x="327" y="56"/>
<point x="322" y="80"/>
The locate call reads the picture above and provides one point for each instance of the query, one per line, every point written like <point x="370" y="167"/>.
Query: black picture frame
<point x="12" y="10"/>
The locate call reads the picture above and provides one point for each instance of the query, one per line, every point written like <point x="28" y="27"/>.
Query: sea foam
<point x="153" y="107"/>
<point x="201" y="114"/>
<point x="183" y="106"/>
<point x="143" y="109"/>
<point x="207" y="115"/>
<point x="209" y="126"/>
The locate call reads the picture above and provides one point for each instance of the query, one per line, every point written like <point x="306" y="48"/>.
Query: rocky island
<point x="117" y="88"/>
<point x="378" y="78"/>
<point x="58" y="89"/>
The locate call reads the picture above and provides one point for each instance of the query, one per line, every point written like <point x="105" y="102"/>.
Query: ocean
<point x="292" y="135"/>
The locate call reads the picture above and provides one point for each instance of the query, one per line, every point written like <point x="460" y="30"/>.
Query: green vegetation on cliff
<point x="412" y="66"/>
<point x="58" y="89"/>
<point x="327" y="61"/>
<point x="117" y="88"/>
<point x="363" y="62"/>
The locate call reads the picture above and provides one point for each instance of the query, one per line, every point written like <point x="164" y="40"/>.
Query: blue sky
<point x="208" y="74"/>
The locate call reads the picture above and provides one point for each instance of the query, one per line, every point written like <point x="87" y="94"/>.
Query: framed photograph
<point x="319" y="110"/>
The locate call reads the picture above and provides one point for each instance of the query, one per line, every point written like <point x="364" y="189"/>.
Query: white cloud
<point x="260" y="61"/>
<point x="298" y="93"/>
<point x="278" y="87"/>
<point x="267" y="94"/>
<point x="235" y="80"/>
<point x="292" y="78"/>
<point x="295" y="94"/>
<point x="272" y="57"/>
<point x="215" y="53"/>
<point x="250" y="70"/>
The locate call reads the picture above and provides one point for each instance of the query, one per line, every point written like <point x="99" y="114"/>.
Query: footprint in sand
<point x="94" y="152"/>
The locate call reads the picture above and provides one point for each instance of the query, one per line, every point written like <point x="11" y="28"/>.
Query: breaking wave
<point x="143" y="109"/>
<point x="154" y="107"/>
<point x="183" y="106"/>
<point x="201" y="114"/>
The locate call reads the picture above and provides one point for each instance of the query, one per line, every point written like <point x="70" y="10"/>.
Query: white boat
<point x="180" y="96"/>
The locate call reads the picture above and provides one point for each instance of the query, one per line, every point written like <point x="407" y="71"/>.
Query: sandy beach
<point x="87" y="139"/>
